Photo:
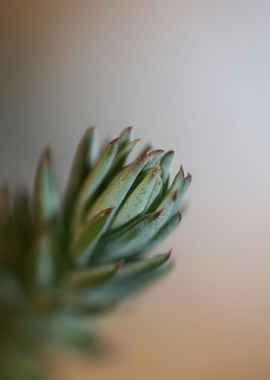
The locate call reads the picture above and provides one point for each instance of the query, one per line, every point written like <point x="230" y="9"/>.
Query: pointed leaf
<point x="93" y="181"/>
<point x="88" y="236"/>
<point x="91" y="276"/>
<point x="181" y="193"/>
<point x="136" y="203"/>
<point x="154" y="158"/>
<point x="46" y="200"/>
<point x="143" y="266"/>
<point x="80" y="167"/>
<point x="44" y="271"/>
<point x="165" y="163"/>
<point x="134" y="239"/>
<point x="122" y="286"/>
<point x="178" y="180"/>
<point x="122" y="156"/>
<point x="125" y="137"/>
<point x="155" y="196"/>
<point x="116" y="191"/>
<point x="163" y="233"/>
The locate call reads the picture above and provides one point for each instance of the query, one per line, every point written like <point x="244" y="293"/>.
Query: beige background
<point x="192" y="76"/>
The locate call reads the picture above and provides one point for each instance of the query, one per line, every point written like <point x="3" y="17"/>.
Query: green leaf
<point x="125" y="137"/>
<point x="182" y="191"/>
<point x="128" y="280"/>
<point x="163" y="233"/>
<point x="143" y="266"/>
<point x="91" y="276"/>
<point x="46" y="199"/>
<point x="154" y="158"/>
<point x="81" y="166"/>
<point x="122" y="156"/>
<point x="137" y="201"/>
<point x="44" y="266"/>
<point x="93" y="181"/>
<point x="165" y="163"/>
<point x="88" y="236"/>
<point x="156" y="194"/>
<point x="132" y="240"/>
<point x="178" y="180"/>
<point x="116" y="191"/>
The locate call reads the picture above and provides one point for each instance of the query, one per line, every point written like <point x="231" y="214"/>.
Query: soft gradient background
<point x="193" y="76"/>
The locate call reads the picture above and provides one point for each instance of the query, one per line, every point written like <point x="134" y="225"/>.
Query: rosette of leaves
<point x="65" y="262"/>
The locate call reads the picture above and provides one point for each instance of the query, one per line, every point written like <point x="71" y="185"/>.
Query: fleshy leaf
<point x="46" y="199"/>
<point x="81" y="166"/>
<point x="127" y="281"/>
<point x="181" y="193"/>
<point x="118" y="188"/>
<point x="122" y="156"/>
<point x="163" y="233"/>
<point x="93" y="181"/>
<point x="125" y="137"/>
<point x="91" y="276"/>
<point x="136" y="203"/>
<point x="44" y="270"/>
<point x="165" y="164"/>
<point x="132" y="240"/>
<point x="144" y="265"/>
<point x="88" y="236"/>
<point x="156" y="194"/>
<point x="154" y="158"/>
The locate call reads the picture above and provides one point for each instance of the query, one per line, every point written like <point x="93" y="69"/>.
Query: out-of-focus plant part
<point x="66" y="262"/>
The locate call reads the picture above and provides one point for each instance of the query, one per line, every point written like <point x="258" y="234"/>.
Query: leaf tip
<point x="46" y="157"/>
<point x="108" y="210"/>
<point x="168" y="255"/>
<point x="189" y="177"/>
<point x="115" y="141"/>
<point x="181" y="171"/>
<point x="144" y="156"/>
<point x="174" y="195"/>
<point x="157" y="213"/>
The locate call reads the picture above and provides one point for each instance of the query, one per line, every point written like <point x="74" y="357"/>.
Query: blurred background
<point x="193" y="76"/>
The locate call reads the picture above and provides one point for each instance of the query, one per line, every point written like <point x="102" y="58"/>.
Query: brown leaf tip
<point x="168" y="255"/>
<point x="157" y="213"/>
<point x="90" y="130"/>
<point x="156" y="151"/>
<point x="174" y="195"/>
<point x="46" y="157"/>
<point x="115" y="141"/>
<point x="188" y="177"/>
<point x="109" y="210"/>
<point x="135" y="141"/>
<point x="128" y="129"/>
<point x="181" y="171"/>
<point x="144" y="156"/>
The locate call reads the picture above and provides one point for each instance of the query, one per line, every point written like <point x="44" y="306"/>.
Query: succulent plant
<point x="66" y="262"/>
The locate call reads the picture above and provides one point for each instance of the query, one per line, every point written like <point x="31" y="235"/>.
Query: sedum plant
<point x="65" y="263"/>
